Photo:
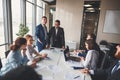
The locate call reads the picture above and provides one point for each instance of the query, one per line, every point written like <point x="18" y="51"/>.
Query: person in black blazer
<point x="113" y="73"/>
<point x="56" y="36"/>
<point x="41" y="34"/>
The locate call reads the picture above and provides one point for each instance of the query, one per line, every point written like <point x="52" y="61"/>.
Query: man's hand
<point x="47" y="46"/>
<point x="117" y="54"/>
<point x="63" y="47"/>
<point x="44" y="55"/>
<point x="86" y="71"/>
<point x="33" y="65"/>
<point x="82" y="58"/>
<point x="118" y="47"/>
<point x="77" y="51"/>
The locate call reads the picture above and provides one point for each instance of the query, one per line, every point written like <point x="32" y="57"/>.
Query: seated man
<point x="22" y="73"/>
<point x="113" y="73"/>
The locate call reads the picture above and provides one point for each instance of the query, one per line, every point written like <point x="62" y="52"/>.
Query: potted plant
<point x="23" y="29"/>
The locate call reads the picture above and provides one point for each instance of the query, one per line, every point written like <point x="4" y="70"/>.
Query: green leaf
<point x="22" y="30"/>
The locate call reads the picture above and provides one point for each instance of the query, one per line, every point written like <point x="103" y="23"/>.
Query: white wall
<point x="107" y="5"/>
<point x="70" y="13"/>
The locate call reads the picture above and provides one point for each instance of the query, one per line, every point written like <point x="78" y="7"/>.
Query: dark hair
<point x="91" y="43"/>
<point x="18" y="43"/>
<point x="28" y="36"/>
<point x="58" y="21"/>
<point x="22" y="73"/>
<point x="44" y="17"/>
<point x="103" y="42"/>
<point x="93" y="36"/>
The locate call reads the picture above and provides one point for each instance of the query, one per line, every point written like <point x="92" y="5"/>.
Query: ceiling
<point x="95" y="3"/>
<point x="50" y="2"/>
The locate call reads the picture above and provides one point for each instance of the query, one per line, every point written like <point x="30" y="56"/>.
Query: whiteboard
<point x="112" y="22"/>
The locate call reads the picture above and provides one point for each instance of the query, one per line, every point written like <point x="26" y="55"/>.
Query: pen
<point x="76" y="77"/>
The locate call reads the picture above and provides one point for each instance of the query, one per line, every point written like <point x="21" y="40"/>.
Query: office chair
<point x="6" y="53"/>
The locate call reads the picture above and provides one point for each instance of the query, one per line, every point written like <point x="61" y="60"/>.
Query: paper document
<point x="73" y="63"/>
<point x="40" y="66"/>
<point x="54" y="68"/>
<point x="72" y="76"/>
<point x="47" y="78"/>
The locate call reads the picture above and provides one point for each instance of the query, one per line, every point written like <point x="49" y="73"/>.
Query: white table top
<point x="55" y="68"/>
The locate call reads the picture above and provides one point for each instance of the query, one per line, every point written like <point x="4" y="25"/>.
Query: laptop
<point x="68" y="57"/>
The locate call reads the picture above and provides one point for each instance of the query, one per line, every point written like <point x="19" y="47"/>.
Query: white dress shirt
<point x="56" y="30"/>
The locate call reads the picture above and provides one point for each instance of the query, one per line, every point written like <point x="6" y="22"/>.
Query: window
<point x="15" y="17"/>
<point x="39" y="11"/>
<point x="29" y="17"/>
<point x="30" y="0"/>
<point x="2" y="38"/>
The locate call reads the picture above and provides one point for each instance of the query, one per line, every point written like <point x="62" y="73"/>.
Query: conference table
<point x="54" y="67"/>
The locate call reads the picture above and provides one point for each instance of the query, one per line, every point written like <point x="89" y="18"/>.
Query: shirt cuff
<point x="91" y="72"/>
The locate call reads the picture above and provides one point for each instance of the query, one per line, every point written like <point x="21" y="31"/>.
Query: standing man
<point x="41" y="34"/>
<point x="56" y="36"/>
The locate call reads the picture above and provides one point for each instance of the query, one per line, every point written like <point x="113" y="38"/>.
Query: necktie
<point x="116" y="67"/>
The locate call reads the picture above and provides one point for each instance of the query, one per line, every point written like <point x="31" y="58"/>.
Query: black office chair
<point x="100" y="59"/>
<point x="103" y="42"/>
<point x="6" y="53"/>
<point x="112" y="47"/>
<point x="0" y="64"/>
<point x="106" y="62"/>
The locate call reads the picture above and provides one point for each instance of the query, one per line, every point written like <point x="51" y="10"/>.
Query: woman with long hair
<point x="91" y="59"/>
<point x="14" y="58"/>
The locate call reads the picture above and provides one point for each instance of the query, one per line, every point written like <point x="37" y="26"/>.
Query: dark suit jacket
<point x="106" y="74"/>
<point x="56" y="40"/>
<point x="39" y="33"/>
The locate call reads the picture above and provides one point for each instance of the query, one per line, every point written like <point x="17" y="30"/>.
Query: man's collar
<point x="43" y="25"/>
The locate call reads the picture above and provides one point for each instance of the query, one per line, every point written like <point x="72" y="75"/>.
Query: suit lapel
<point x="42" y="29"/>
<point x="54" y="32"/>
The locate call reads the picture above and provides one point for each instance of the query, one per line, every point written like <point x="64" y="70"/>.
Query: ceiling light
<point x="49" y="0"/>
<point x="90" y="8"/>
<point x="87" y="5"/>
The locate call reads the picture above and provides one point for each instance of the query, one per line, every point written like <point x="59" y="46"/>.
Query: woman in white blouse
<point x="30" y="50"/>
<point x="91" y="59"/>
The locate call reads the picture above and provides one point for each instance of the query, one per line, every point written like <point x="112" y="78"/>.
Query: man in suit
<point x="56" y="36"/>
<point x="41" y="34"/>
<point x="113" y="73"/>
